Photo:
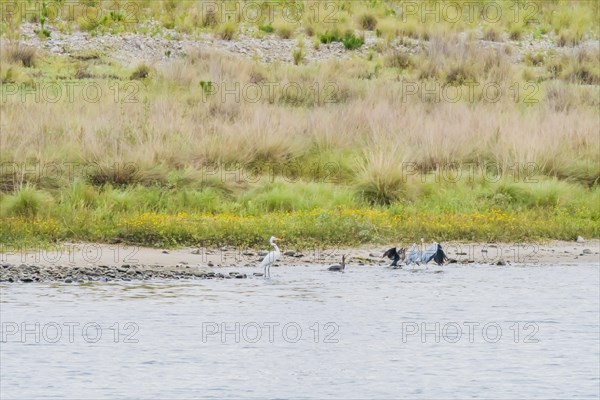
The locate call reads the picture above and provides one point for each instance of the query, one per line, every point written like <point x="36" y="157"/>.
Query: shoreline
<point x="94" y="262"/>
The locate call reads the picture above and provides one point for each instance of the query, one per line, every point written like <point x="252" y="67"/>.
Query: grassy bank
<point x="305" y="214"/>
<point x="456" y="140"/>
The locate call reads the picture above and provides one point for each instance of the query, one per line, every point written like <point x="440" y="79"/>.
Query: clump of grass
<point x="352" y="42"/>
<point x="567" y="37"/>
<point x="83" y="73"/>
<point x="380" y="179"/>
<point x="535" y="59"/>
<point x="399" y="59"/>
<point x="26" y="202"/>
<point x="115" y="175"/>
<point x="349" y="39"/>
<point x="87" y="55"/>
<point x="329" y="37"/>
<point x="515" y="32"/>
<point x="267" y="28"/>
<point x="20" y="53"/>
<point x="284" y="195"/>
<point x="15" y="74"/>
<point x="284" y="31"/>
<point x="227" y="31"/>
<point x="584" y="68"/>
<point x="298" y="55"/>
<point x="142" y="71"/>
<point x="493" y="33"/>
<point x="367" y="22"/>
<point x="210" y="19"/>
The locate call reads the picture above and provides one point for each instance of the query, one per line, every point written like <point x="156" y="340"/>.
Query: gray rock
<point x="165" y="252"/>
<point x="587" y="251"/>
<point x="68" y="280"/>
<point x="289" y="253"/>
<point x="501" y="262"/>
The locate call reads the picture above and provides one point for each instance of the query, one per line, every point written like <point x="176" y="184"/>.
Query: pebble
<point x="587" y="251"/>
<point x="289" y="253"/>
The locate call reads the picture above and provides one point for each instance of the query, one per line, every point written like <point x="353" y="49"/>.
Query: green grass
<point x="304" y="213"/>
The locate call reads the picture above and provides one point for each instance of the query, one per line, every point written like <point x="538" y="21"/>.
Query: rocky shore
<point x="11" y="273"/>
<point x="167" y="45"/>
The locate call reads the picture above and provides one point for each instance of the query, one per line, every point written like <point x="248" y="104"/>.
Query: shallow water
<point x="351" y="335"/>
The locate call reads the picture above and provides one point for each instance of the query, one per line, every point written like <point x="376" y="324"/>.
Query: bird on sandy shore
<point x="395" y="256"/>
<point x="271" y="257"/>
<point x="433" y="252"/>
<point x="339" y="267"/>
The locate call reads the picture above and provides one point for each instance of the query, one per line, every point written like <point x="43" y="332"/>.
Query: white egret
<point x="339" y="267"/>
<point x="271" y="257"/>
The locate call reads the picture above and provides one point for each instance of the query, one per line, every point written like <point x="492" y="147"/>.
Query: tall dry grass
<point x="173" y="124"/>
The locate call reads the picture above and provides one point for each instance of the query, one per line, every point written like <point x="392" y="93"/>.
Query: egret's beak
<point x="277" y="238"/>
